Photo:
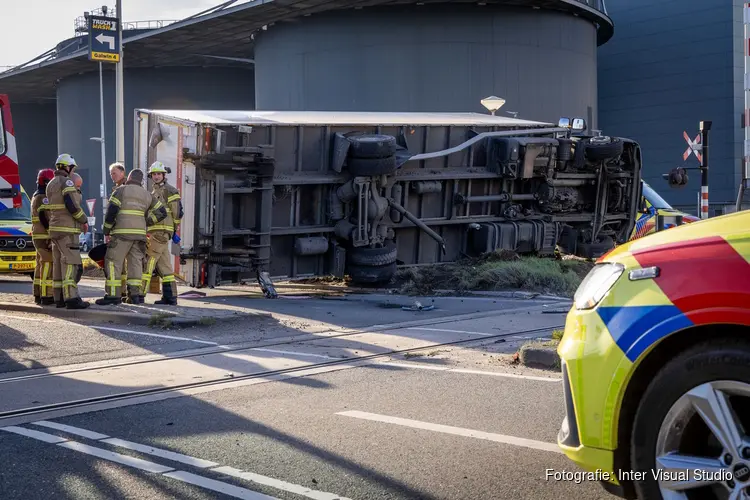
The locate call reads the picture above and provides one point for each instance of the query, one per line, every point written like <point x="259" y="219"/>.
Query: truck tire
<point x="372" y="146"/>
<point x="372" y="274"/>
<point x="370" y="167"/>
<point x="703" y="376"/>
<point x="604" y="150"/>
<point x="365" y="256"/>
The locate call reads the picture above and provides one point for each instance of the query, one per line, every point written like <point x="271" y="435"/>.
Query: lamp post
<point x="119" y="104"/>
<point x="493" y="103"/>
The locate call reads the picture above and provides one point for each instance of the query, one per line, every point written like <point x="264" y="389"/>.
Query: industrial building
<point x="371" y="55"/>
<point x="670" y="65"/>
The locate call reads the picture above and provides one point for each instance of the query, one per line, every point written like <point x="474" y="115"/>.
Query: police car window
<point x="654" y="198"/>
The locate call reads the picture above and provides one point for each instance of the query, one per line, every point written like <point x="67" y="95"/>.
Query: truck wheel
<point x="372" y="146"/>
<point x="369" y="167"/>
<point x="691" y="418"/>
<point x="381" y="256"/>
<point x="372" y="274"/>
<point x="604" y="150"/>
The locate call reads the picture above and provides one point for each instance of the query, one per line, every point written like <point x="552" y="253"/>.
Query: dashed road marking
<point x="218" y="486"/>
<point x="119" y="458"/>
<point x="158" y="335"/>
<point x="71" y="430"/>
<point x="169" y="455"/>
<point x="280" y="485"/>
<point x="41" y="436"/>
<point x="470" y="372"/>
<point x="456" y="431"/>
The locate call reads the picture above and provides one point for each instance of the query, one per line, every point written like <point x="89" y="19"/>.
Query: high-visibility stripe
<point x="54" y="207"/>
<point x="139" y="213"/>
<point x="78" y="214"/>
<point x="172" y="198"/>
<point x="69" y="190"/>
<point x="129" y="231"/>
<point x="115" y="201"/>
<point x="58" y="229"/>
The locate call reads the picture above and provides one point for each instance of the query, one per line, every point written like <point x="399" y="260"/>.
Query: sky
<point x="31" y="27"/>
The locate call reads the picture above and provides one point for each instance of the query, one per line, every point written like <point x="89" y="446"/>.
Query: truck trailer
<point x="285" y="194"/>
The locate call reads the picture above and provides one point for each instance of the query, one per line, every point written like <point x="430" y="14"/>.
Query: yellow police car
<point x="653" y="205"/>
<point x="656" y="365"/>
<point x="17" y="254"/>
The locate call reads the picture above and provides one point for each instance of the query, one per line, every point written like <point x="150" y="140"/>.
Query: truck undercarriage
<point x="291" y="200"/>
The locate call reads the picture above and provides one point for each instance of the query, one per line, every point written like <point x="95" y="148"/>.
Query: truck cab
<point x="10" y="180"/>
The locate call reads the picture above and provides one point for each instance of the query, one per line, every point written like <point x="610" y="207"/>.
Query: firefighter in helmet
<point x="129" y="210"/>
<point x="158" y="256"/>
<point x="66" y="221"/>
<point x="43" y="284"/>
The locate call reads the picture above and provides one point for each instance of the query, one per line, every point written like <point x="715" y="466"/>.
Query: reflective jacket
<point x="170" y="198"/>
<point x="64" y="205"/>
<point x="39" y="216"/>
<point x="130" y="208"/>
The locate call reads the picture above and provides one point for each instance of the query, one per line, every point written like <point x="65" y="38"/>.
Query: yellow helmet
<point x="157" y="168"/>
<point x="65" y="160"/>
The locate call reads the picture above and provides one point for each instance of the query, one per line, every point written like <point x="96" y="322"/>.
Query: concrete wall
<point x="670" y="65"/>
<point x="430" y="58"/>
<point x="166" y="88"/>
<point x="35" y="126"/>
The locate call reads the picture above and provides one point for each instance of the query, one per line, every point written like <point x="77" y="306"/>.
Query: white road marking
<point x="157" y="452"/>
<point x="71" y="430"/>
<point x="450" y="331"/>
<point x="218" y="486"/>
<point x="292" y="353"/>
<point x="136" y="463"/>
<point x="41" y="436"/>
<point x="170" y="455"/>
<point x="171" y="337"/>
<point x="457" y="431"/>
<point x="279" y="485"/>
<point x="470" y="372"/>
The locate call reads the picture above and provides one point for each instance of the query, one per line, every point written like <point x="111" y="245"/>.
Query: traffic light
<point x="677" y="178"/>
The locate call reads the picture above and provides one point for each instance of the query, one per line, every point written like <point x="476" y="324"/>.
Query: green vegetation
<point x="497" y="271"/>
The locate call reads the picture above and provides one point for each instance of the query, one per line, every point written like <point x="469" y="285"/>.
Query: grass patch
<point x="160" y="320"/>
<point x="500" y="270"/>
<point x="557" y="335"/>
<point x="207" y="321"/>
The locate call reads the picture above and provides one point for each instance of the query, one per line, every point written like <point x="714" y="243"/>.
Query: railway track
<point x="37" y="411"/>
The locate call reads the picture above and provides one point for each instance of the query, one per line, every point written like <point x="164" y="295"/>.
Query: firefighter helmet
<point x="44" y="176"/>
<point x="157" y="168"/>
<point x="65" y="160"/>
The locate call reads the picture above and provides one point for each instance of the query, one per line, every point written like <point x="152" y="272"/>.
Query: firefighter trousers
<point x="118" y="250"/>
<point x="159" y="258"/>
<point x="67" y="267"/>
<point x="43" y="283"/>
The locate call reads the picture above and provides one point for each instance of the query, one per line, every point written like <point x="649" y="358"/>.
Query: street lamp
<point x="493" y="103"/>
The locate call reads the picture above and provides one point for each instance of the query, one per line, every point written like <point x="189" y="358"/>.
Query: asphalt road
<point x="441" y="421"/>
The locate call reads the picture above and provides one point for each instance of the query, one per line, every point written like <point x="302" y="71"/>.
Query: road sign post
<point x="104" y="39"/>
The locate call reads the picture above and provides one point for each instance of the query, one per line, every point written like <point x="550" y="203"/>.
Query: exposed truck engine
<point x="292" y="194"/>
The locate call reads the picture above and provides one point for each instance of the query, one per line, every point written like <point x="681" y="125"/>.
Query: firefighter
<point x="129" y="210"/>
<point x="157" y="254"/>
<point x="117" y="174"/>
<point x="43" y="283"/>
<point x="66" y="221"/>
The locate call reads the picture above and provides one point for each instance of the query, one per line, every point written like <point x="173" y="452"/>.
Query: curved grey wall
<point x="165" y="88"/>
<point x="430" y="58"/>
<point x="35" y="125"/>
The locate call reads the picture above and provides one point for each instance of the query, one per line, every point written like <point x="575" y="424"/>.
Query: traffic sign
<point x="104" y="39"/>
<point x="92" y="222"/>
<point x="91" y="202"/>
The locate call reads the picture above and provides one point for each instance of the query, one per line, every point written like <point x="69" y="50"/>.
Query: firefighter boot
<point x="134" y="295"/>
<point x="76" y="303"/>
<point x="37" y="300"/>
<point x="167" y="295"/>
<point x="47" y="301"/>
<point x="109" y="300"/>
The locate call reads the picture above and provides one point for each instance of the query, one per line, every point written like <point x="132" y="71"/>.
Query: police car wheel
<point x="693" y="422"/>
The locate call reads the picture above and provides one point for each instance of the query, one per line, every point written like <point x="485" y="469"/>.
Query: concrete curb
<point x="154" y="319"/>
<point x="540" y="357"/>
<point x="510" y="295"/>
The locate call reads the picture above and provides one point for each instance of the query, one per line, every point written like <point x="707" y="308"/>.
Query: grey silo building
<point x="670" y="65"/>
<point x="367" y="55"/>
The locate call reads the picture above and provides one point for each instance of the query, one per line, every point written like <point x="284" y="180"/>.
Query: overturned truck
<point x="291" y="194"/>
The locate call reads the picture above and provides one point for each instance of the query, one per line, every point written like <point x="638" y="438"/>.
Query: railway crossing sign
<point x="104" y="39"/>
<point x="694" y="147"/>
